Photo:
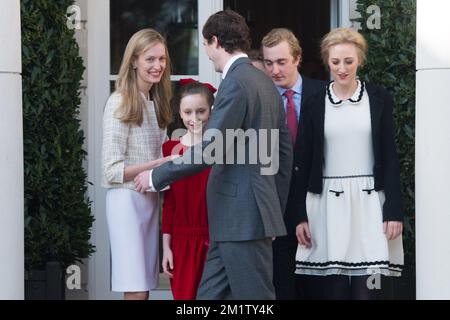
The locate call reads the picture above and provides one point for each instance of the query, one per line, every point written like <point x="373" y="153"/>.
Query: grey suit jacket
<point x="242" y="203"/>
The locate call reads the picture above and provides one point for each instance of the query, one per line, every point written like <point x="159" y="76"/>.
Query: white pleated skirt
<point x="133" y="223"/>
<point x="346" y="224"/>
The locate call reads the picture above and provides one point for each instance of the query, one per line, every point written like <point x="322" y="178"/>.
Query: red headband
<point x="186" y="81"/>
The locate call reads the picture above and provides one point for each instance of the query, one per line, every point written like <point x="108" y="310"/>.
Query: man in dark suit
<point x="282" y="57"/>
<point x="245" y="199"/>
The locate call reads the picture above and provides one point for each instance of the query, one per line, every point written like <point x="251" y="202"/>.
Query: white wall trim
<point x="10" y="35"/>
<point x="98" y="91"/>
<point x="11" y="158"/>
<point x="432" y="150"/>
<point x="344" y="14"/>
<point x="433" y="51"/>
<point x="334" y="14"/>
<point x="206" y="69"/>
<point x="10" y="72"/>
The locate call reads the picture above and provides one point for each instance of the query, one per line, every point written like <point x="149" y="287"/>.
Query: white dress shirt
<point x="230" y="62"/>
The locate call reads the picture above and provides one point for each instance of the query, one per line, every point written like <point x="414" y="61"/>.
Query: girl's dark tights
<point x="339" y="287"/>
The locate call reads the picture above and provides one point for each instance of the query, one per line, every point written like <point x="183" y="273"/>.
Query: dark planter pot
<point x="48" y="284"/>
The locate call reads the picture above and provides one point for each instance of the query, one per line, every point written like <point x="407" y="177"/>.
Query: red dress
<point x="185" y="217"/>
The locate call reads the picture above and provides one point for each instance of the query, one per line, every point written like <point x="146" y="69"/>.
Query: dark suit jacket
<point x="309" y="164"/>
<point x="242" y="203"/>
<point x="309" y="88"/>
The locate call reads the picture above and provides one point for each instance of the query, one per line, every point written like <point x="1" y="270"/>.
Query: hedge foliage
<point x="58" y="216"/>
<point x="392" y="63"/>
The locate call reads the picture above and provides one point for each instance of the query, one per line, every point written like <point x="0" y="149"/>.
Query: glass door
<point x="308" y="20"/>
<point x="177" y="20"/>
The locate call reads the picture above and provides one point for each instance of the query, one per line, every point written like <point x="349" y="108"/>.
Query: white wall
<point x="11" y="155"/>
<point x="433" y="150"/>
<point x="98" y="90"/>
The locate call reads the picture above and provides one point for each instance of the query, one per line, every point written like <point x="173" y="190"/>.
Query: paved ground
<point x="162" y="293"/>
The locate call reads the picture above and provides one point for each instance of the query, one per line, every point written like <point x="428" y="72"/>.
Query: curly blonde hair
<point x="340" y="36"/>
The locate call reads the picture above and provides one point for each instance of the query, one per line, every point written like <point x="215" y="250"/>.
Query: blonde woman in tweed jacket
<point x="134" y="127"/>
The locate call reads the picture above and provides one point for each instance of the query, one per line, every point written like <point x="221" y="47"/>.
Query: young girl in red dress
<point x="185" y="217"/>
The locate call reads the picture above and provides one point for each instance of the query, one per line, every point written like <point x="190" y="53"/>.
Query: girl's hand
<point x="392" y="229"/>
<point x="167" y="262"/>
<point x="303" y="234"/>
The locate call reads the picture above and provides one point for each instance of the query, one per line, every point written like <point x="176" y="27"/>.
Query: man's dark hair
<point x="230" y="29"/>
<point x="255" y="55"/>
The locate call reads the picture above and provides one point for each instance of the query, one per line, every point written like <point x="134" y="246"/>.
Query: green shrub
<point x="58" y="216"/>
<point x="392" y="63"/>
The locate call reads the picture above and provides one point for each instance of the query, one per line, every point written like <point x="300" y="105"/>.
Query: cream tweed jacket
<point x="127" y="144"/>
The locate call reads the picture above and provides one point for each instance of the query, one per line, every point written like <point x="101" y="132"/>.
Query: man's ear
<point x="215" y="42"/>
<point x="298" y="60"/>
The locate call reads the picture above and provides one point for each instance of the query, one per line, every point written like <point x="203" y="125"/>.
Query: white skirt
<point x="346" y="224"/>
<point x="133" y="223"/>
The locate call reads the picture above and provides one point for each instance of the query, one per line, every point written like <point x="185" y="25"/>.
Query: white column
<point x="11" y="154"/>
<point x="98" y="90"/>
<point x="433" y="150"/>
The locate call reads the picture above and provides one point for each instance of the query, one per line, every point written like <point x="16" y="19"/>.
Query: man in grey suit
<point x="245" y="201"/>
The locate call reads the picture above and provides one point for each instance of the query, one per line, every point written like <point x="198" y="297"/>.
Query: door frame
<point x="340" y="13"/>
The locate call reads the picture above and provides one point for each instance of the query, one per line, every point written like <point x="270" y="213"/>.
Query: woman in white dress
<point x="134" y="127"/>
<point x="350" y="208"/>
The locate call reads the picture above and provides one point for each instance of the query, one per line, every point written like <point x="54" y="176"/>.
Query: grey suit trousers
<point x="238" y="270"/>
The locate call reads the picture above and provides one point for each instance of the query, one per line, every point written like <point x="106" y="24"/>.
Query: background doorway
<point x="309" y="20"/>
